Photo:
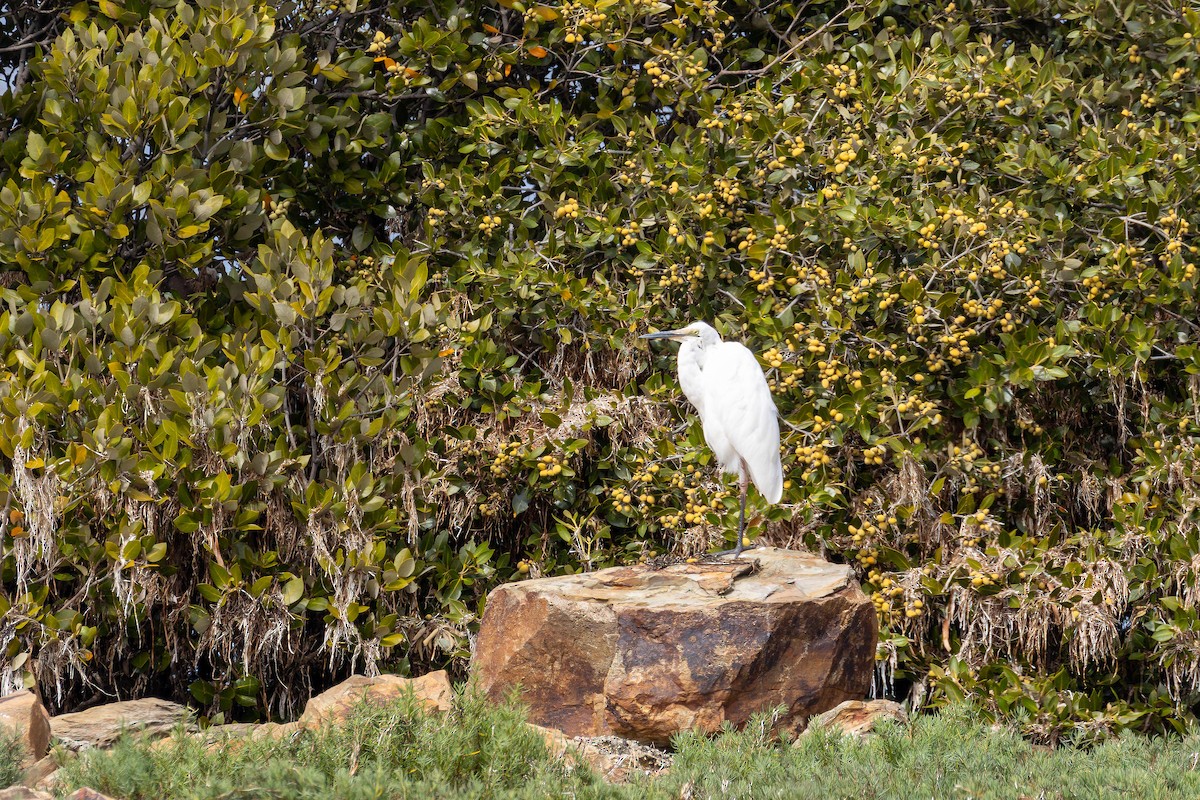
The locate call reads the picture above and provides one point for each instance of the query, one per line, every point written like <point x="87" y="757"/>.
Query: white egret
<point x="741" y="423"/>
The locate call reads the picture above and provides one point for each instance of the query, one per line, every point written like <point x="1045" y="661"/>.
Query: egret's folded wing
<point x="739" y="398"/>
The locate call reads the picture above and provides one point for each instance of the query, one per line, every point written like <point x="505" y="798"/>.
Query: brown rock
<point x="859" y="717"/>
<point x="37" y="774"/>
<point x="433" y="690"/>
<point x="642" y="653"/>
<point x="23" y="793"/>
<point x="24" y="713"/>
<point x="100" y="726"/>
<point x="87" y="793"/>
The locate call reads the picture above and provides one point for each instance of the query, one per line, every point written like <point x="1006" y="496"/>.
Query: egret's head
<point x="700" y="332"/>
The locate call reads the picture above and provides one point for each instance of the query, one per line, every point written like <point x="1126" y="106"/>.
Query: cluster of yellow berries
<point x="780" y="239"/>
<point x="580" y="17"/>
<point x="773" y="357"/>
<point x="657" y="76"/>
<point x="911" y="404"/>
<point x="673" y="232"/>
<point x="1008" y="209"/>
<point x="378" y="44"/>
<point x="695" y="508"/>
<point x="888" y="300"/>
<point x="815" y="273"/>
<point x="728" y="189"/>
<point x="870" y="526"/>
<point x="364" y="267"/>
<point x="859" y="290"/>
<point x="568" y="208"/>
<point x="846" y="153"/>
<point x="832" y="371"/>
<point x="738" y="113"/>
<point x="1032" y="287"/>
<point x="885" y="597"/>
<point x="765" y="281"/>
<point x="634" y="173"/>
<point x="977" y="526"/>
<point x="437" y="215"/>
<point x="926" y="236"/>
<point x="1031" y="426"/>
<point x="622" y="500"/>
<point x="489" y="223"/>
<point x="813" y="457"/>
<point x="980" y="579"/>
<point x="874" y="455"/>
<point x="279" y="209"/>
<point x="491" y="506"/>
<point x="501" y="464"/>
<point x="958" y="348"/>
<point x="549" y="466"/>
<point x="847" y="79"/>
<point x="646" y="475"/>
<point x="914" y="609"/>
<point x="981" y="310"/>
<point x="868" y="557"/>
<point x="629" y="233"/>
<point x="1095" y="287"/>
<point x="964" y="456"/>
<point x="750" y="237"/>
<point x="672" y="278"/>
<point x="671" y="521"/>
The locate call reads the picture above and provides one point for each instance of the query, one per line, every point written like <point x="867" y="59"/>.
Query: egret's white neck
<point x="691" y="372"/>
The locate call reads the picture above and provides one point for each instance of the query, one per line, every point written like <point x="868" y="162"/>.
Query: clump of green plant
<point x="479" y="749"/>
<point x="12" y="755"/>
<point x="956" y="752"/>
<point x="484" y="750"/>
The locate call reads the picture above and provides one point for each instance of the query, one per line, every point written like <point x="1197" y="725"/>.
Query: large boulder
<point x="643" y="652"/>
<point x="101" y="725"/>
<point x="24" y="713"/>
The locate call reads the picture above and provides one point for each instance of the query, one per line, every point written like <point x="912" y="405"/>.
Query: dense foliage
<point x="319" y="321"/>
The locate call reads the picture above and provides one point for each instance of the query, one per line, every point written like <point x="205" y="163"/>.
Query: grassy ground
<point x="481" y="751"/>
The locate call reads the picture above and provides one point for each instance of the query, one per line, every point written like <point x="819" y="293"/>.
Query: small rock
<point x="614" y="759"/>
<point x="23" y="793"/>
<point x="433" y="690"/>
<point x="37" y="774"/>
<point x="100" y="726"/>
<point x="859" y="717"/>
<point x="643" y="652"/>
<point x="87" y="793"/>
<point x="236" y="733"/>
<point x="24" y="712"/>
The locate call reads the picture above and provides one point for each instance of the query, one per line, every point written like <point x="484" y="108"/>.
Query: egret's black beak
<point x="660" y="335"/>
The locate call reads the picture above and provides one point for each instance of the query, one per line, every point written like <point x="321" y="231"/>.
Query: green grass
<point x="12" y="753"/>
<point x="484" y="751"/>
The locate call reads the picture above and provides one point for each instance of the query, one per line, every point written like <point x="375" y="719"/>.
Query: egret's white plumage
<point x="741" y="424"/>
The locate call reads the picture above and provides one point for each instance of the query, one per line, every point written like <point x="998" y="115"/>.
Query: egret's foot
<point x="735" y="552"/>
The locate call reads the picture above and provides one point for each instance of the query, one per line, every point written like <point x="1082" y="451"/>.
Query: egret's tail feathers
<point x="770" y="484"/>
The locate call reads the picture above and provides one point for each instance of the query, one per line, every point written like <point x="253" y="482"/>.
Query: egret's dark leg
<point x="737" y="551"/>
<point x="744" y="485"/>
